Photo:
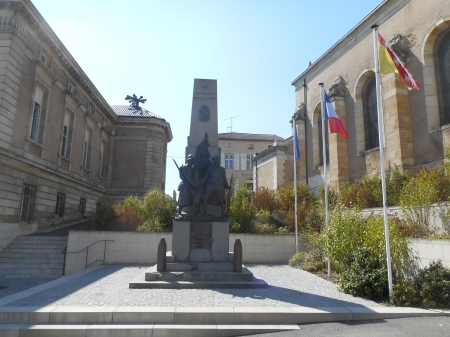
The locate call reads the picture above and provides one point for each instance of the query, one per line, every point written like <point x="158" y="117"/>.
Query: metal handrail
<point x="87" y="252"/>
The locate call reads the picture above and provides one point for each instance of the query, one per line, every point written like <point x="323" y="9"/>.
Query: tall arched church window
<point x="319" y="126"/>
<point x="442" y="61"/>
<point x="370" y="114"/>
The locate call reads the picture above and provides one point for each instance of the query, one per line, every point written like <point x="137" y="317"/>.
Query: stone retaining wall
<point x="430" y="250"/>
<point x="133" y="247"/>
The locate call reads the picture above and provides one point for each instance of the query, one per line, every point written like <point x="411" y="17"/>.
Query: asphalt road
<point x="409" y="327"/>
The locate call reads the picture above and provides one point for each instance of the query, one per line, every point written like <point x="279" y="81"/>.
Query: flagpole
<point x="381" y="147"/>
<point x="324" y="155"/>
<point x="294" y="125"/>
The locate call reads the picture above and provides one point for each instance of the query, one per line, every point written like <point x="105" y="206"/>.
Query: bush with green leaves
<point x="307" y="261"/>
<point x="241" y="213"/>
<point x="128" y="213"/>
<point x="104" y="215"/>
<point x="264" y="200"/>
<point x="157" y="210"/>
<point x="416" y="201"/>
<point x="365" y="275"/>
<point x="306" y="205"/>
<point x="351" y="238"/>
<point x="429" y="289"/>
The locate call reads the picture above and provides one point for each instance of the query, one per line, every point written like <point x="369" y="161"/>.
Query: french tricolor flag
<point x="333" y="119"/>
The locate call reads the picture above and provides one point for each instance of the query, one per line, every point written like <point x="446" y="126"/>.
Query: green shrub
<point x="104" y="215"/>
<point x="307" y="261"/>
<point x="128" y="213"/>
<point x="416" y="201"/>
<point x="157" y="210"/>
<point x="264" y="200"/>
<point x="430" y="288"/>
<point x="365" y="275"/>
<point x="241" y="214"/>
<point x="395" y="181"/>
<point x="370" y="193"/>
<point x="333" y="196"/>
<point x="356" y="247"/>
<point x="306" y="204"/>
<point x="264" y="223"/>
<point x="348" y="194"/>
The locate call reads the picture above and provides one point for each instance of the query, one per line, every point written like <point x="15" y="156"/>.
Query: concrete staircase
<point x="142" y="321"/>
<point x="33" y="256"/>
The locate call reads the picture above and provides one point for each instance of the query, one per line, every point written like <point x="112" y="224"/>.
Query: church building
<point x="416" y="123"/>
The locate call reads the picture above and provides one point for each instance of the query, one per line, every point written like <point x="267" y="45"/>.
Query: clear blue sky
<point x="254" y="48"/>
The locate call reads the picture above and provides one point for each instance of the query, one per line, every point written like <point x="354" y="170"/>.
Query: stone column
<point x="397" y="122"/>
<point x="337" y="143"/>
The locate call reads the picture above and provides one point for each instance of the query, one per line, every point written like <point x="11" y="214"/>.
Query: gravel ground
<point x="108" y="286"/>
<point x="15" y="285"/>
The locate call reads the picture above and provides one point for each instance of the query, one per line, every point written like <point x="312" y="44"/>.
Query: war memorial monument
<point x="200" y="256"/>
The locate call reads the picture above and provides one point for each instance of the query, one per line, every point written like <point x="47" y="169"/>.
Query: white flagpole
<point x="324" y="152"/>
<point x="294" y="125"/>
<point x="381" y="146"/>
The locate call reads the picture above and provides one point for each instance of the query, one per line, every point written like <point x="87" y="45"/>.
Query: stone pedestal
<point x="199" y="259"/>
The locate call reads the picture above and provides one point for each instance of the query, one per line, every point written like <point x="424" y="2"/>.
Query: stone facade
<point x="63" y="148"/>
<point x="415" y="135"/>
<point x="237" y="152"/>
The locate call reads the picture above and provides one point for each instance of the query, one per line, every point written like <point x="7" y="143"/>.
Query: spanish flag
<point x="389" y="62"/>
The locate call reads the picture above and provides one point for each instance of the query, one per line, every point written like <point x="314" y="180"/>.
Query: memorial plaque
<point x="201" y="235"/>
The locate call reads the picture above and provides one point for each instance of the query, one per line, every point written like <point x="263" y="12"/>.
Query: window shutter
<point x="243" y="161"/>
<point x="236" y="161"/>
<point x="222" y="159"/>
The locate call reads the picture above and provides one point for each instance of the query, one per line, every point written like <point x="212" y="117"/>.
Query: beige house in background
<point x="63" y="148"/>
<point x="416" y="123"/>
<point x="237" y="150"/>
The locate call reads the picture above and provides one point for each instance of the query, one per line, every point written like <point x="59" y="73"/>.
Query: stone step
<point x="42" y="237"/>
<point x="33" y="250"/>
<point x="51" y="276"/>
<point x="40" y="240"/>
<point x="168" y="330"/>
<point x="33" y="255"/>
<point x="245" y="276"/>
<point x="37" y="245"/>
<point x="31" y="271"/>
<point x="204" y="266"/>
<point x="24" y="265"/>
<point x="30" y="260"/>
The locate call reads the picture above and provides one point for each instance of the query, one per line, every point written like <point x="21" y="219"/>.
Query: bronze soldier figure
<point x="216" y="182"/>
<point x="189" y="194"/>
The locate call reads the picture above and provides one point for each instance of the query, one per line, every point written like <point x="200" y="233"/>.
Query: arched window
<point x="319" y="126"/>
<point x="370" y="114"/>
<point x="442" y="61"/>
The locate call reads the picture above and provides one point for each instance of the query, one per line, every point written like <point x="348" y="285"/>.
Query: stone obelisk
<point x="204" y="117"/>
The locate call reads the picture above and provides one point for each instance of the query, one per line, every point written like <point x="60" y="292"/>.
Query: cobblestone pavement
<point x="15" y="285"/>
<point x="108" y="286"/>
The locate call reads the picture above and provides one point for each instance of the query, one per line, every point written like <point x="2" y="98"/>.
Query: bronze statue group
<point x="202" y="182"/>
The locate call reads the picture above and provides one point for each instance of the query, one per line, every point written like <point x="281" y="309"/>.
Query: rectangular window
<point x="35" y="122"/>
<point x="87" y="148"/>
<point x="229" y="161"/>
<point x="38" y="115"/>
<point x="66" y="134"/>
<point x="82" y="206"/>
<point x="249" y="162"/>
<point x="102" y="159"/>
<point x="59" y="209"/>
<point x="250" y="146"/>
<point x="26" y="204"/>
<point x="228" y="145"/>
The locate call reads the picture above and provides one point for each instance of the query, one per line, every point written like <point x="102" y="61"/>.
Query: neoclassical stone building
<point x="416" y="123"/>
<point x="63" y="148"/>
